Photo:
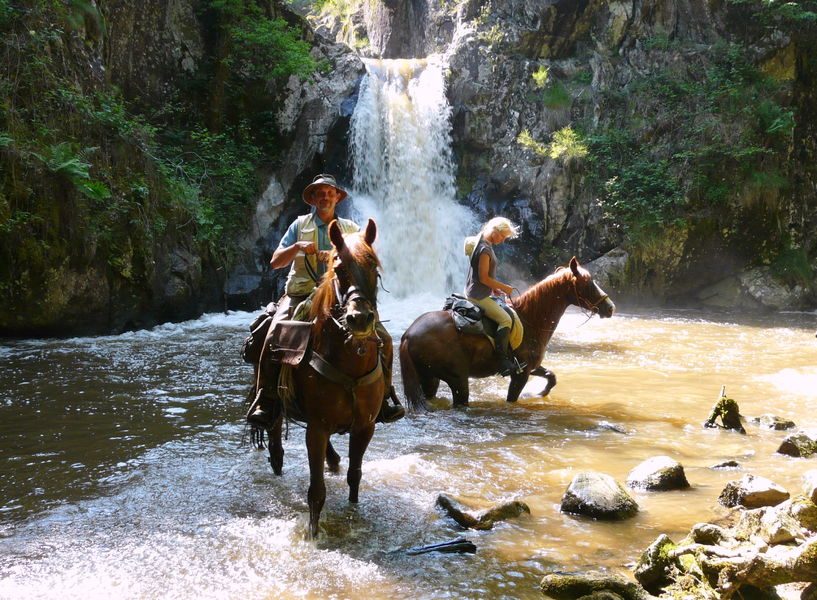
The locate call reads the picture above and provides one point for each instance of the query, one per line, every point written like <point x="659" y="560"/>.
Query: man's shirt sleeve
<point x="290" y="237"/>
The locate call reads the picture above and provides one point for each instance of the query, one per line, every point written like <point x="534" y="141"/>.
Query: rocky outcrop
<point x="765" y="548"/>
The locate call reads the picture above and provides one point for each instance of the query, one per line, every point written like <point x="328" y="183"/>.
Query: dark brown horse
<point x="432" y="349"/>
<point x="340" y="388"/>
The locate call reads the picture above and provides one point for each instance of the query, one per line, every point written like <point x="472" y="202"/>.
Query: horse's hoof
<point x="334" y="469"/>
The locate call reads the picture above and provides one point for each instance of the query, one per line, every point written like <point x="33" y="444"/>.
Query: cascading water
<point x="404" y="175"/>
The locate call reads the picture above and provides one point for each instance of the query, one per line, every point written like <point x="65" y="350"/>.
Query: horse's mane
<point x="324" y="299"/>
<point x="534" y="304"/>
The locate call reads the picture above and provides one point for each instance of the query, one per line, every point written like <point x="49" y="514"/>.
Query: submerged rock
<point x="752" y="492"/>
<point x="658" y="473"/>
<point x="727" y="464"/>
<point x="599" y="496"/>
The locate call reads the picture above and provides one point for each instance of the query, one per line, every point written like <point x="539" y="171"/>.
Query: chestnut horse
<point x="432" y="349"/>
<point x="340" y="387"/>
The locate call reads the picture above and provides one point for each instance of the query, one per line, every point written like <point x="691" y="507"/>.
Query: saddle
<point x="470" y="318"/>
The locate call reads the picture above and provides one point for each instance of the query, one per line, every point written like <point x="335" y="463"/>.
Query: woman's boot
<point x="502" y="352"/>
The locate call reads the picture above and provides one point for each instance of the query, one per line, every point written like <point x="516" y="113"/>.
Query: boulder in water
<point x="563" y="586"/>
<point x="773" y="422"/>
<point x="752" y="492"/>
<point x="599" y="496"/>
<point x="802" y="444"/>
<point x="658" y="473"/>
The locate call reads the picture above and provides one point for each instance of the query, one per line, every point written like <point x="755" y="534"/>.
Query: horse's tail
<point x="411" y="380"/>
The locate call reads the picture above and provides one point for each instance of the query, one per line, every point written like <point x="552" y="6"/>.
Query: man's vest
<point x="299" y="282"/>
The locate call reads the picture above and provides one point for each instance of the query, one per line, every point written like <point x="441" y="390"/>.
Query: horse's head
<point x="355" y="268"/>
<point x="586" y="292"/>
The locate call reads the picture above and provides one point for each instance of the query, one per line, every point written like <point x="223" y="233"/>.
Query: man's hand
<point x="306" y="247"/>
<point x="324" y="256"/>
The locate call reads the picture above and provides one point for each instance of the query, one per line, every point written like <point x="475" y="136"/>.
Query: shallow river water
<point x="123" y="472"/>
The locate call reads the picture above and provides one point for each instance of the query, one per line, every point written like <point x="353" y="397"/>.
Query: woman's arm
<point x="485" y="279"/>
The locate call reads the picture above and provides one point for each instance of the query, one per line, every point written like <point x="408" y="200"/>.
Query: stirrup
<point x="259" y="417"/>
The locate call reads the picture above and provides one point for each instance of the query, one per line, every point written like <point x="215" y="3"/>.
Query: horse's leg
<point x="332" y="458"/>
<point x="518" y="381"/>
<point x="358" y="442"/>
<point x="276" y="449"/>
<point x="316" y="441"/>
<point x="430" y="385"/>
<point x="459" y="390"/>
<point x="541" y="371"/>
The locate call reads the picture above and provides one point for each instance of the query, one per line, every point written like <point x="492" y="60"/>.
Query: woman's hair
<point x="500" y="224"/>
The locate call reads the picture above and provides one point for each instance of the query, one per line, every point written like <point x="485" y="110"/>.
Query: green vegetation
<point x="554" y="92"/>
<point x="89" y="177"/>
<point x="527" y="141"/>
<point x="540" y="77"/>
<point x="566" y="144"/>
<point x="770" y="11"/>
<point x="728" y="134"/>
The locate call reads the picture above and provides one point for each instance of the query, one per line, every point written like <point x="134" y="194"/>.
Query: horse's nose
<point x="360" y="320"/>
<point x="606" y="309"/>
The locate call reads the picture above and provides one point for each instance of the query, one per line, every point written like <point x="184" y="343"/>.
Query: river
<point x="124" y="474"/>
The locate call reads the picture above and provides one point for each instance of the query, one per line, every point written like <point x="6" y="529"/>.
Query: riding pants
<point x="494" y="312"/>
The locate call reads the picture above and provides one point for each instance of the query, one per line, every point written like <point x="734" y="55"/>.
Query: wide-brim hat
<point x="322" y="180"/>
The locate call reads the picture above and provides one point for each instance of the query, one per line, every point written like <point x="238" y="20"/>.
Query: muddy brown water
<point x="123" y="473"/>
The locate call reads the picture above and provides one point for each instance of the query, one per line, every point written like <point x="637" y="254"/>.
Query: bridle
<point x="338" y="311"/>
<point x="585" y="303"/>
<point x="338" y="316"/>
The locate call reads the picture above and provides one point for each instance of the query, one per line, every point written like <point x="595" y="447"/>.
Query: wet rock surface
<point x="659" y="473"/>
<point x="802" y="444"/>
<point x="485" y="520"/>
<point x="752" y="492"/>
<point x="599" y="496"/>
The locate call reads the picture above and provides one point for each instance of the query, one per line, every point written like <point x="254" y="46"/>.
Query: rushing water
<point x="123" y="473"/>
<point x="400" y="145"/>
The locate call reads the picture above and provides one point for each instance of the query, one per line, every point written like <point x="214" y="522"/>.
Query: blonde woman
<point x="482" y="281"/>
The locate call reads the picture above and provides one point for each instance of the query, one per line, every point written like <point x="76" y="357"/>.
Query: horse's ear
<point x="371" y="232"/>
<point x="336" y="235"/>
<point x="574" y="266"/>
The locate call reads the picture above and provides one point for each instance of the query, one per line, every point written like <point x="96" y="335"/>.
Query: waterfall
<point x="400" y="146"/>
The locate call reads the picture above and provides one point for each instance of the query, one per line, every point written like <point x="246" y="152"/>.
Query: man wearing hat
<point x="307" y="248"/>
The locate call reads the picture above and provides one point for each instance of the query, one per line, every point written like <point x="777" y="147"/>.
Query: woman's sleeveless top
<point x="474" y="288"/>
